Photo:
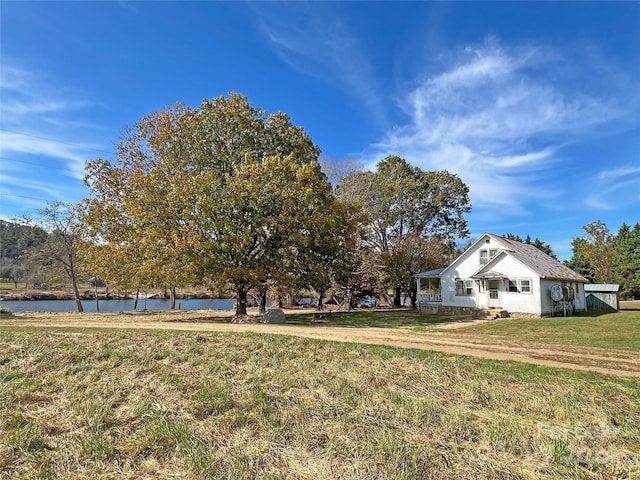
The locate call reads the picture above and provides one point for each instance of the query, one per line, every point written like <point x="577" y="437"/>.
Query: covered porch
<point x="428" y="288"/>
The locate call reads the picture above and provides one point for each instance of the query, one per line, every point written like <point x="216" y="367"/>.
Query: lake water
<point x="117" y="305"/>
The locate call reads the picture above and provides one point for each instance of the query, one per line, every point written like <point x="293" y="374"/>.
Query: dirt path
<point x="626" y="364"/>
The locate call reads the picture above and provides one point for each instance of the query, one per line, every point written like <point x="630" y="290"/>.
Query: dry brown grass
<point x="204" y="405"/>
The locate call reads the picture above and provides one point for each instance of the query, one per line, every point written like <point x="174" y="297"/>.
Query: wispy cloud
<point x="316" y="42"/>
<point x="46" y="190"/>
<point x="614" y="188"/>
<point x="13" y="78"/>
<point x="492" y="115"/>
<point x="73" y="155"/>
<point x="41" y="119"/>
<point x="624" y="171"/>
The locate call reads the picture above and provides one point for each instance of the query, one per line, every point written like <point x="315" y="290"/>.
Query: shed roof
<point x="601" y="287"/>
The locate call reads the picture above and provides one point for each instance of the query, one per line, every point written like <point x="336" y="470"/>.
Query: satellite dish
<point x="556" y="292"/>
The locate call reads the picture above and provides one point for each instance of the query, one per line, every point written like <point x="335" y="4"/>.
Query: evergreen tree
<point x="626" y="264"/>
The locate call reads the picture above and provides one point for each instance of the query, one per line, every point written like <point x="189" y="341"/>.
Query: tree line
<point x="232" y="198"/>
<point x="604" y="257"/>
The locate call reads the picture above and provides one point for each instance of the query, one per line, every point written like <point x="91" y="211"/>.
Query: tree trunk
<point x="320" y="306"/>
<point x="413" y="293"/>
<point x="262" y="304"/>
<point x="135" y="303"/>
<point x="397" y="297"/>
<point x="241" y="300"/>
<point x="277" y="302"/>
<point x="348" y="299"/>
<point x="76" y="292"/>
<point x="172" y="296"/>
<point x="97" y="301"/>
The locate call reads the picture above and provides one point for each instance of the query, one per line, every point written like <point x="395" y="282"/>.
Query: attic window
<point x="486" y="255"/>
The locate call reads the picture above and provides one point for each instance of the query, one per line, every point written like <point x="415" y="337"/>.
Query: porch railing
<point x="430" y="298"/>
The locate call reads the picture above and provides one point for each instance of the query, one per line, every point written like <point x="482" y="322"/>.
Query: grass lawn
<point x="619" y="331"/>
<point x="245" y="406"/>
<point x="372" y="318"/>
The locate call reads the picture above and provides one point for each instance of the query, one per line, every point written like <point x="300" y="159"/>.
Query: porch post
<point x="418" y="290"/>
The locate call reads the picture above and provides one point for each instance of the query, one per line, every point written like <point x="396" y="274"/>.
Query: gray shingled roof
<point x="538" y="261"/>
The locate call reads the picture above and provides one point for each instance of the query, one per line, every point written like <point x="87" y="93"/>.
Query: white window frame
<point x="518" y="283"/>
<point x="464" y="288"/>
<point x="487" y="254"/>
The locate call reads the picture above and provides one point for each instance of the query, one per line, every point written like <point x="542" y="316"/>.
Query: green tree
<point x="405" y="204"/>
<point x="539" y="244"/>
<point x="14" y="271"/>
<point x="204" y="194"/>
<point x="626" y="264"/>
<point x="594" y="253"/>
<point x="327" y="247"/>
<point x="267" y="222"/>
<point x="17" y="242"/>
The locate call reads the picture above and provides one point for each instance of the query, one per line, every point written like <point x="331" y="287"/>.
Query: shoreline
<point x="34" y="295"/>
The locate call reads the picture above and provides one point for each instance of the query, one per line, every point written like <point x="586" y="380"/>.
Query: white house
<point x="496" y="272"/>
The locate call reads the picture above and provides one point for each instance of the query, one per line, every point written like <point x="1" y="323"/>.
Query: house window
<point x="464" y="288"/>
<point x="486" y="255"/>
<point x="520" y="286"/>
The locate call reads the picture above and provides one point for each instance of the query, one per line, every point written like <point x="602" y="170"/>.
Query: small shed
<point x="602" y="297"/>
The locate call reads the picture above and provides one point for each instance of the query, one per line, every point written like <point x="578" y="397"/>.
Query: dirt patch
<point x="625" y="364"/>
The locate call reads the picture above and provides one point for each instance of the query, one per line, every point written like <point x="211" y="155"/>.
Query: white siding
<point x="547" y="303"/>
<point x="518" y="302"/>
<point x="466" y="265"/>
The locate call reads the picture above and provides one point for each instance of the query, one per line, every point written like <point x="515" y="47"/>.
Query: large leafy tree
<point x="135" y="219"/>
<point x="276" y="217"/>
<point x="603" y="257"/>
<point x="406" y="205"/>
<point x="327" y="247"/>
<point x="626" y="264"/>
<point x="594" y="253"/>
<point x="210" y="195"/>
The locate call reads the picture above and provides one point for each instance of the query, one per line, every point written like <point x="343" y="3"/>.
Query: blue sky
<point x="535" y="105"/>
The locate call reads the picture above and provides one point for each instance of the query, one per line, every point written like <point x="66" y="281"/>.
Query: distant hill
<point x="15" y="239"/>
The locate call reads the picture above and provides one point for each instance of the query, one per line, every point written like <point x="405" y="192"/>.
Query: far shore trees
<point x="225" y="194"/>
